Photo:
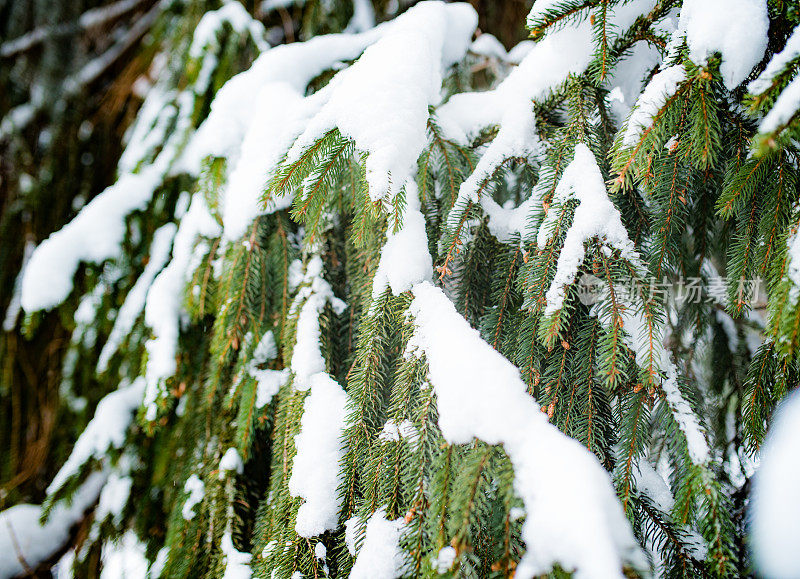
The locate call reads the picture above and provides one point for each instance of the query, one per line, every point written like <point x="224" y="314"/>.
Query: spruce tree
<point x="372" y="296"/>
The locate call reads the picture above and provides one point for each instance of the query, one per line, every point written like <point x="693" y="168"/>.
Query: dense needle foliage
<point x="615" y="216"/>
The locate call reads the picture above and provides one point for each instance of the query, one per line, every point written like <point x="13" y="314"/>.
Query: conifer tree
<point x="371" y="296"/>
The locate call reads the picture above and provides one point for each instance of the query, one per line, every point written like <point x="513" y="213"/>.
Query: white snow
<point x="115" y="493"/>
<point x="737" y="29"/>
<point x="661" y="88"/>
<point x="24" y="538"/>
<point x="124" y="558"/>
<point x="208" y="30"/>
<point x="15" y="304"/>
<point x="573" y="515"/>
<point x="775" y="506"/>
<point x="237" y="564"/>
<point x="259" y="113"/>
<point x="231" y="461"/>
<point x="307" y="358"/>
<point x="444" y="559"/>
<point x="134" y="302"/>
<point x="405" y="259"/>
<point x="380" y="556"/>
<point x="107" y="429"/>
<point x="197" y="490"/>
<point x="164" y="300"/>
<point x="363" y="16"/>
<point x="777" y="64"/>
<point x="269" y="382"/>
<point x="785" y="107"/>
<point x="382" y="100"/>
<point x="393" y="432"/>
<point x="595" y="217"/>
<point x="545" y="67"/>
<point x="320" y="551"/>
<point x="315" y="472"/>
<point x="353" y="528"/>
<point x="647" y="343"/>
<point x="488" y="46"/>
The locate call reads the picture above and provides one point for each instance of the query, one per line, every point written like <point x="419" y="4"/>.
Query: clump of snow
<point x="268" y="384"/>
<point x="353" y="529"/>
<point x="775" y="507"/>
<point x="307" y="358"/>
<point x="488" y="46"/>
<point x="573" y="515"/>
<point x="135" y="300"/>
<point x="105" y="430"/>
<point x="315" y="472"/>
<point x="24" y="538"/>
<point x="231" y="461"/>
<point x="737" y="29"/>
<point x="210" y="27"/>
<point x="393" y="432"/>
<point x="115" y="494"/>
<point x="661" y="87"/>
<point x="237" y="564"/>
<point x="124" y="557"/>
<point x="197" y="490"/>
<point x="595" y="217"/>
<point x="444" y="560"/>
<point x="380" y="556"/>
<point x="163" y="305"/>
<point x="405" y="259"/>
<point x="320" y="551"/>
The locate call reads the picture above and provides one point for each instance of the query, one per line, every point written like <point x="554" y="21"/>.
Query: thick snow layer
<point x="737" y="29"/>
<point x="315" y="472"/>
<point x="163" y="306"/>
<point x="106" y="430"/>
<point x="382" y="100"/>
<point x="197" y="490"/>
<point x="307" y="358"/>
<point x="380" y="556"/>
<point x="237" y="564"/>
<point x="405" y="258"/>
<point x="134" y="302"/>
<point x="595" y="217"/>
<point x="777" y="64"/>
<point x="660" y="88"/>
<point x="259" y="113"/>
<point x="24" y="538"/>
<point x="573" y="515"/>
<point x="775" y="507"/>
